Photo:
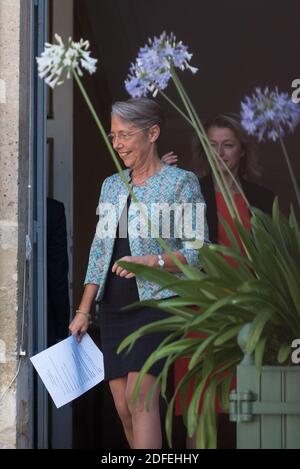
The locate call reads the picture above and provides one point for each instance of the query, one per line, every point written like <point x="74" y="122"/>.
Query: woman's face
<point x="227" y="146"/>
<point x="130" y="142"/>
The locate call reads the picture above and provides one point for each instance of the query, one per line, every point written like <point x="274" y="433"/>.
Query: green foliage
<point x="263" y="289"/>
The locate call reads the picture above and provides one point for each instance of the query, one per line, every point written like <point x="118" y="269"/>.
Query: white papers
<point x="69" y="369"/>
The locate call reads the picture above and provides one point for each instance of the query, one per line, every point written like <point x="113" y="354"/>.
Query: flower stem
<point x="221" y="161"/>
<point x="176" y="107"/>
<point x="288" y="162"/>
<point x="101" y="128"/>
<point x="212" y="158"/>
<point x="238" y="186"/>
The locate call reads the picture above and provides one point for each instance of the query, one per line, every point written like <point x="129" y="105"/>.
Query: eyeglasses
<point x="124" y="136"/>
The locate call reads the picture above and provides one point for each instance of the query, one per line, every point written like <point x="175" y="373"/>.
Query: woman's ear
<point x="154" y="133"/>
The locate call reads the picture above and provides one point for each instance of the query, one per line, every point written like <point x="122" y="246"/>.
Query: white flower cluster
<point x="58" y="58"/>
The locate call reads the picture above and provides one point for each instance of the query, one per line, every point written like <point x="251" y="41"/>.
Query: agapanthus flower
<point x="58" y="58"/>
<point x="268" y="114"/>
<point x="152" y="70"/>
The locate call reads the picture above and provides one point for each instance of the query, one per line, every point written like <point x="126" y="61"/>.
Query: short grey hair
<point x="142" y="112"/>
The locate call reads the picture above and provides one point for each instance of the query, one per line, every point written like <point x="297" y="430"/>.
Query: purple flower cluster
<point x="152" y="70"/>
<point x="268" y="114"/>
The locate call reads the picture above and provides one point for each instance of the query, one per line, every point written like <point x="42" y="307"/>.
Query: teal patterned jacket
<point x="168" y="186"/>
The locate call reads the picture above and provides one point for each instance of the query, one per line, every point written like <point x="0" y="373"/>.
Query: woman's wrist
<point x="153" y="260"/>
<point x="84" y="312"/>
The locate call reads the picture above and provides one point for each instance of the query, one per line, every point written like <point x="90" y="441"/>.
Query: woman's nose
<point x="116" y="143"/>
<point x="220" y="151"/>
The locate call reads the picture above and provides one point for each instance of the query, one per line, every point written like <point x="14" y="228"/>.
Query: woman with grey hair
<point x="135" y="129"/>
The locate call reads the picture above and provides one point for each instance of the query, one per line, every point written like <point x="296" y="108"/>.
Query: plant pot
<point x="266" y="407"/>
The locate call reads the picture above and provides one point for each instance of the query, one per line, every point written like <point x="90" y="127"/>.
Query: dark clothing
<point x="115" y="286"/>
<point x="57" y="272"/>
<point x="257" y="196"/>
<point x="115" y="324"/>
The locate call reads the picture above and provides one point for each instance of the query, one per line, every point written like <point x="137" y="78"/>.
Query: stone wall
<point x="9" y="180"/>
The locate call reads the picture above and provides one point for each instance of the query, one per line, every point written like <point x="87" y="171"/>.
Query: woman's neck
<point x="146" y="169"/>
<point x="230" y="182"/>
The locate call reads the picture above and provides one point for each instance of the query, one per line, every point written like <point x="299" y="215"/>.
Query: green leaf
<point x="224" y="389"/>
<point x="153" y="275"/>
<point x="206" y="437"/>
<point x="193" y="409"/>
<point x="230" y="332"/>
<point x="204" y="344"/>
<point x="259" y="353"/>
<point x="164" y="324"/>
<point x="295" y="227"/>
<point x="215" y="264"/>
<point x="283" y="353"/>
<point x="256" y="329"/>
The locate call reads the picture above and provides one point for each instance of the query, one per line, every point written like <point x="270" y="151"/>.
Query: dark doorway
<point x="237" y="46"/>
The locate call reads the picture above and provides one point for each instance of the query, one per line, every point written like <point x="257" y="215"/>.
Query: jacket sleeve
<point x="96" y="252"/>
<point x="194" y="226"/>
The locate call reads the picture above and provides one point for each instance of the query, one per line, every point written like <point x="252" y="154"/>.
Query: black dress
<point x="115" y="324"/>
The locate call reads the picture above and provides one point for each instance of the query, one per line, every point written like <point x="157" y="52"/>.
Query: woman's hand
<point x="79" y="325"/>
<point x="170" y="158"/>
<point x="149" y="260"/>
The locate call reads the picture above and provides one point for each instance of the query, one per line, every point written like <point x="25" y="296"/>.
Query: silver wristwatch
<point x="160" y="261"/>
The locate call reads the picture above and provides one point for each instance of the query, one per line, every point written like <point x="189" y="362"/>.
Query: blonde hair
<point x="249" y="165"/>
